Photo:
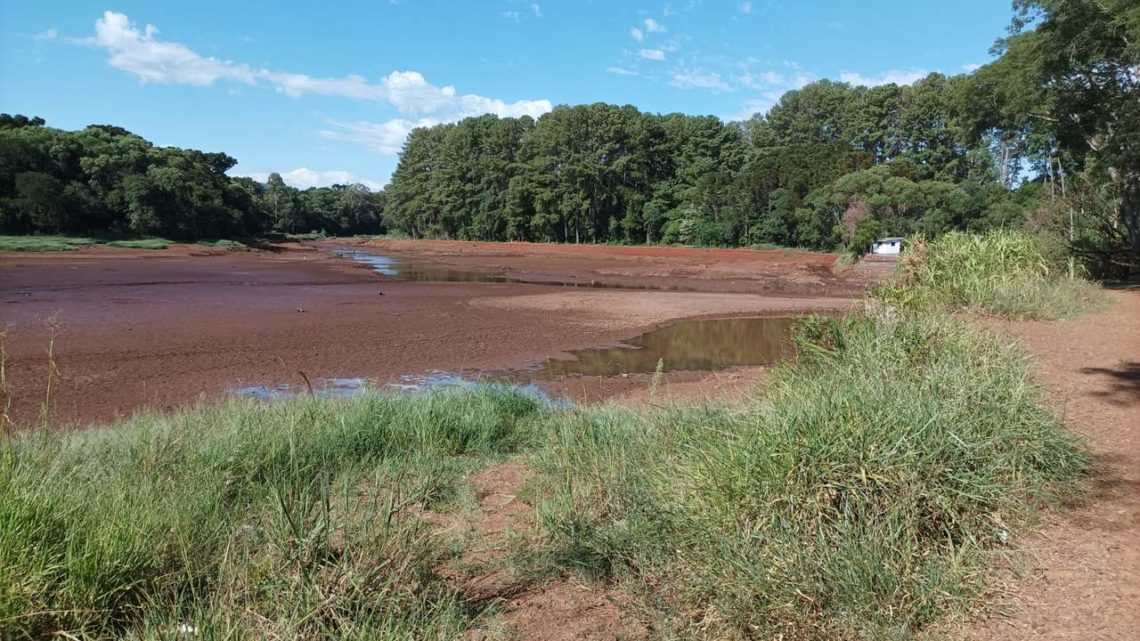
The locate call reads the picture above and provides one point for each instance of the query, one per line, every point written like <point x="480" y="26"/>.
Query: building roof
<point x="887" y="240"/>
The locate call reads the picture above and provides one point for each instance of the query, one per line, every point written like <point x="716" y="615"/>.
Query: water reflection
<point x="693" y="345"/>
<point x="408" y="271"/>
<point x="322" y="387"/>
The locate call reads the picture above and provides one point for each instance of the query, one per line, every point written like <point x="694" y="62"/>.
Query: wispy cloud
<point x="140" y="53"/>
<point x="637" y="34"/>
<point x="382" y="137"/>
<point x="746" y="7"/>
<point x="770" y="84"/>
<point x="651" y="54"/>
<point x="620" y="71"/>
<point x="49" y="34"/>
<point x="892" y="76"/>
<point x="652" y="26"/>
<point x="304" y="178"/>
<point x="537" y="9"/>
<point x="691" y="80"/>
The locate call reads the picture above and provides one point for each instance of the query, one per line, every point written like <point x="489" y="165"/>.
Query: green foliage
<point x="1002" y="272"/>
<point x="141" y="243"/>
<point x="603" y="173"/>
<point x="106" y="181"/>
<point x="245" y="520"/>
<point x="858" y="496"/>
<point x="42" y="243"/>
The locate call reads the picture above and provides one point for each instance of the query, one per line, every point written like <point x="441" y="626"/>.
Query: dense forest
<point x="1046" y="136"/>
<point x="104" y="180"/>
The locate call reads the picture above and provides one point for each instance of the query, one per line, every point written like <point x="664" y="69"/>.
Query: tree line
<point x="104" y="180"/>
<point x="1047" y="135"/>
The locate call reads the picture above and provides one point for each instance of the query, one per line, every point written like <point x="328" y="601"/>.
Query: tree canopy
<point x="1047" y="135"/>
<point x="104" y="180"/>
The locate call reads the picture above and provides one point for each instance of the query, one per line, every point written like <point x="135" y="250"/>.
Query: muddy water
<point x="692" y="345"/>
<point x="404" y="270"/>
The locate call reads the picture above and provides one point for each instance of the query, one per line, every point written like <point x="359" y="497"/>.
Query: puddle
<point x="693" y="345"/>
<point x="322" y="387"/>
<point x="438" y="379"/>
<point x="383" y="265"/>
<point x="432" y="381"/>
<point x="404" y="270"/>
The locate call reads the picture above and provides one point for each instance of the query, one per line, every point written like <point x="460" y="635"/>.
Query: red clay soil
<point x="772" y="272"/>
<point x="162" y="329"/>
<point x="563" y="610"/>
<point x="1084" y="579"/>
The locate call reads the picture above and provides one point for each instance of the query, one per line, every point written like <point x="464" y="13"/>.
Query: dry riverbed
<point x="141" y="329"/>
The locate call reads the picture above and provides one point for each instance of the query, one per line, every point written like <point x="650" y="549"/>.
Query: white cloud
<point x="971" y="68"/>
<point x="537" y="9"/>
<point x="513" y="16"/>
<point x="893" y="76"/>
<point x="50" y="34"/>
<point x="620" y="71"/>
<point x="142" y="54"/>
<point x="746" y="7"/>
<point x="386" y="137"/>
<point x="754" y="106"/>
<point x="636" y="34"/>
<point x="652" y="26"/>
<point x="651" y="54"/>
<point x="304" y="178"/>
<point x="689" y="80"/>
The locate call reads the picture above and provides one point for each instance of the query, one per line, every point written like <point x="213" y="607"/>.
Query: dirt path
<point x="1084" y="581"/>
<point x="562" y="610"/>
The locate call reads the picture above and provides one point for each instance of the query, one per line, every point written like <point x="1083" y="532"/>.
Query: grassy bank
<point x="1006" y="273"/>
<point x="861" y="493"/>
<point x="858" y="496"/>
<point x="69" y="243"/>
<point x="43" y="243"/>
<point x="288" y="520"/>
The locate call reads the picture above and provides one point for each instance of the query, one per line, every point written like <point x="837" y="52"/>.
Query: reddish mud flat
<point x="774" y="272"/>
<point x="162" y="329"/>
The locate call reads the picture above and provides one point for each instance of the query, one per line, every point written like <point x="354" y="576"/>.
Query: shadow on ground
<point x="1123" y="382"/>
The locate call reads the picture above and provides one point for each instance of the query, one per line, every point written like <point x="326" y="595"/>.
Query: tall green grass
<point x="293" y="520"/>
<point x="42" y="243"/>
<point x="1007" y="273"/>
<point x="141" y="243"/>
<point x="858" y="496"/>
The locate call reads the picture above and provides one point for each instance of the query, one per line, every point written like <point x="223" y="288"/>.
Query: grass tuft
<point x="286" y="520"/>
<point x="42" y="243"/>
<point x="1005" y="273"/>
<point x="858" y="496"/>
<point x="141" y="243"/>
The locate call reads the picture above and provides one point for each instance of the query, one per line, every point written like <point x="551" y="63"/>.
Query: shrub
<point x="1002" y="272"/>
<point x="856" y="497"/>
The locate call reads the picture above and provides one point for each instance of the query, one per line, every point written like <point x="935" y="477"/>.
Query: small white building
<point x="887" y="246"/>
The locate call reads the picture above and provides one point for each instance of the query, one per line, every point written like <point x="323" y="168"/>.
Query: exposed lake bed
<point x="164" y="329"/>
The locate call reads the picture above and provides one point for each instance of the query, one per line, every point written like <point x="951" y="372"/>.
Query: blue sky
<point x="326" y="92"/>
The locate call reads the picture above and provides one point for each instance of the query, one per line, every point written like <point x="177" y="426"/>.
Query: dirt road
<point x="1084" y="579"/>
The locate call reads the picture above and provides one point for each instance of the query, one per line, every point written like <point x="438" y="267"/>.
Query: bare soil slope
<point x="1084" y="580"/>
